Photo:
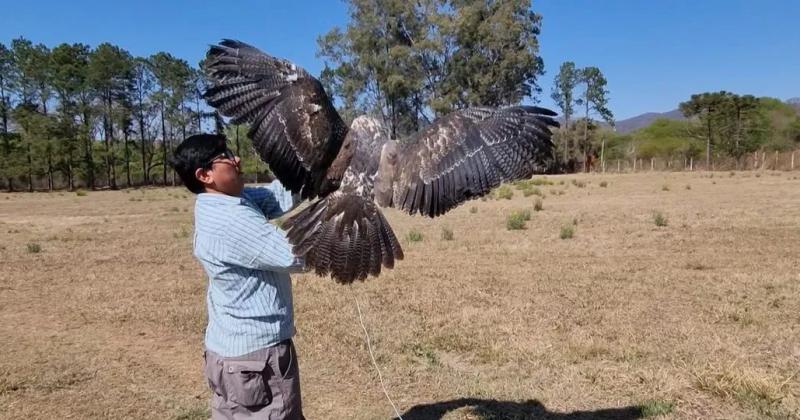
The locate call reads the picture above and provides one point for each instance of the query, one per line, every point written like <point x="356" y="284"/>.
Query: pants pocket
<point x="246" y="383"/>
<point x="287" y="361"/>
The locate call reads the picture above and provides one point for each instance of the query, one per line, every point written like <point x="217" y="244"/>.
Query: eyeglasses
<point x="227" y="154"/>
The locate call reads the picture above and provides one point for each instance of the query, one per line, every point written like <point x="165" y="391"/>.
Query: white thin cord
<point x="374" y="363"/>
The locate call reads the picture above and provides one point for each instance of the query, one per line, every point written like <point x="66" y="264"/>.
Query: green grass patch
<point x="182" y="233"/>
<point x="504" y="192"/>
<point x="516" y="220"/>
<point x="653" y="408"/>
<point x="447" y="234"/>
<point x="414" y="235"/>
<point x="194" y="413"/>
<point x="567" y="231"/>
<point x="659" y="219"/>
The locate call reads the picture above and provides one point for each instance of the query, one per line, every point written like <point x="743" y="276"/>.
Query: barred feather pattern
<point x="468" y="153"/>
<point x="293" y="124"/>
<point x="345" y="235"/>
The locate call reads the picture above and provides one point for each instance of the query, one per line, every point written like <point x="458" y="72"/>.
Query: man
<point x="250" y="361"/>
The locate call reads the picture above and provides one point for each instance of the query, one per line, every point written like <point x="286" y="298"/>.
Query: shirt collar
<point x="220" y="198"/>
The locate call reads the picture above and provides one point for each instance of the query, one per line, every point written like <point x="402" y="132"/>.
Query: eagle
<point x="349" y="173"/>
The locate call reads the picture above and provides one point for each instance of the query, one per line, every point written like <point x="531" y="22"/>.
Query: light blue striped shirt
<point x="248" y="261"/>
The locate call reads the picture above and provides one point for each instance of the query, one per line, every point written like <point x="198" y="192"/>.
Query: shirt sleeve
<point x="254" y="243"/>
<point x="273" y="199"/>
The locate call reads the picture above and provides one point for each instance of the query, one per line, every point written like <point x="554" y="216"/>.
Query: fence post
<point x="618" y="167"/>
<point x="691" y="164"/>
<point x="792" y="166"/>
<point x="652" y="164"/>
<point x="776" y="160"/>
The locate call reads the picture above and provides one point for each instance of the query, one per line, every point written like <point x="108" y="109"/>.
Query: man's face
<point x="222" y="174"/>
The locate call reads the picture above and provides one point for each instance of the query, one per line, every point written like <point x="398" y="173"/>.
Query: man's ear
<point x="203" y="176"/>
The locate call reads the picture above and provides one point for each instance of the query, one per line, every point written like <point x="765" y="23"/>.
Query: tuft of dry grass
<point x="414" y="235"/>
<point x="567" y="231"/>
<point x="200" y="412"/>
<point x="541" y="181"/>
<point x="447" y="234"/>
<point x="516" y="220"/>
<point x="532" y="191"/>
<point x="504" y="192"/>
<point x="183" y="232"/>
<point x="659" y="219"/>
<point x="579" y="184"/>
<point x="746" y="387"/>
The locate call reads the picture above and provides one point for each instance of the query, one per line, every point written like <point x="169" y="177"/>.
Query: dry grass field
<point x="102" y="306"/>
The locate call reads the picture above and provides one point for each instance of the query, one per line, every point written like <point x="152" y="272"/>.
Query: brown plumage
<point x="293" y="124"/>
<point x="350" y="174"/>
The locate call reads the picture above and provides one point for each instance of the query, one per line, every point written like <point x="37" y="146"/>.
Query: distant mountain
<point x="639" y="121"/>
<point x="643" y="120"/>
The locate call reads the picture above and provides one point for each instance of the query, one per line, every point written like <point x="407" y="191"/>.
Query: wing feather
<point x="467" y="153"/>
<point x="293" y="124"/>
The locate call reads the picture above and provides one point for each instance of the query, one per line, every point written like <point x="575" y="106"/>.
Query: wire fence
<point x="761" y="160"/>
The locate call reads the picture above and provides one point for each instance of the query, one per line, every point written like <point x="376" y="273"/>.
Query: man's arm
<point x="254" y="243"/>
<point x="273" y="199"/>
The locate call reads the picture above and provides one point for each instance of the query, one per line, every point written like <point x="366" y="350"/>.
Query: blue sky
<point x="653" y="53"/>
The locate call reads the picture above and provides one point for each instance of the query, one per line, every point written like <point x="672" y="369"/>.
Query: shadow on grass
<point x="516" y="410"/>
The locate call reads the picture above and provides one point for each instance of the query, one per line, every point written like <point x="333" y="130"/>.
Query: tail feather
<point x="344" y="235"/>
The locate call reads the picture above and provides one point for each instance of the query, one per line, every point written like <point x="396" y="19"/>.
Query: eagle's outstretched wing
<point x="468" y="153"/>
<point x="293" y="124"/>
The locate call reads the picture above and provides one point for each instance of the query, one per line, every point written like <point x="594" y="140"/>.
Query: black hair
<point x="193" y="153"/>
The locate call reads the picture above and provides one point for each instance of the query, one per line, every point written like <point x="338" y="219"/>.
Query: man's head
<point x="205" y="164"/>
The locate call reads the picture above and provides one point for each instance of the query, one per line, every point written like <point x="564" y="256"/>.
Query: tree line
<point x="721" y="129"/>
<point x="81" y="116"/>
<point x="75" y="115"/>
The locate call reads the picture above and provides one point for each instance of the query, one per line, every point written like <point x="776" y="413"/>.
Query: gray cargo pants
<point x="262" y="385"/>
